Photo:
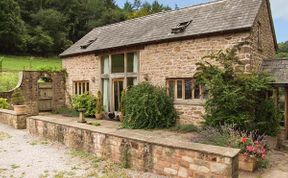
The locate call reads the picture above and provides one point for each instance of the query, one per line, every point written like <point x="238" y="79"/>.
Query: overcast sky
<point x="279" y="12"/>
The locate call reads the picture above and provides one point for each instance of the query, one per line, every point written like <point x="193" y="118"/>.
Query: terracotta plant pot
<point x="247" y="164"/>
<point x="20" y="109"/>
<point x="99" y="116"/>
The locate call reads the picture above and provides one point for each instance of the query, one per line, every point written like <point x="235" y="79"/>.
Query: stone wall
<point x="28" y="84"/>
<point x="183" y="161"/>
<point x="81" y="68"/>
<point x="9" y="117"/>
<point x="268" y="49"/>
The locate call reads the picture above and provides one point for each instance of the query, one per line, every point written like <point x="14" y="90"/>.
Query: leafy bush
<point x="17" y="97"/>
<point x="149" y="107"/>
<point x="86" y="101"/>
<point x="4" y="104"/>
<point x="236" y="97"/>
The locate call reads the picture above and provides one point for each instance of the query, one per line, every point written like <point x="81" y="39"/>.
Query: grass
<point x="185" y="128"/>
<point x="18" y="63"/>
<point x="4" y="135"/>
<point x="11" y="65"/>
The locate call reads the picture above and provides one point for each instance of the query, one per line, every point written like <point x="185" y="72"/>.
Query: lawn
<point x="11" y="66"/>
<point x="18" y="63"/>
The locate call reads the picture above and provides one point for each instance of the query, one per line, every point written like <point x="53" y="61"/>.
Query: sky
<point x="279" y="13"/>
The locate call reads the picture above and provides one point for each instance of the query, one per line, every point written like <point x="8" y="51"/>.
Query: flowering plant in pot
<point x="18" y="101"/>
<point x="99" y="106"/>
<point x="252" y="151"/>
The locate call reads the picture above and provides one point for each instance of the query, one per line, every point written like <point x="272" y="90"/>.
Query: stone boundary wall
<point x="9" y="117"/>
<point x="181" y="160"/>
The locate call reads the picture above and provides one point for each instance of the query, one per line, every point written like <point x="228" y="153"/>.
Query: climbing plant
<point x="236" y="97"/>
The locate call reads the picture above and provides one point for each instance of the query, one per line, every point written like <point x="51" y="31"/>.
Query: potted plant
<point x="17" y="101"/>
<point x="251" y="153"/>
<point x="99" y="106"/>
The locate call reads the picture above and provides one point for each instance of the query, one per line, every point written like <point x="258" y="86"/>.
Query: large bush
<point x="148" y="107"/>
<point x="236" y="97"/>
<point x="86" y="101"/>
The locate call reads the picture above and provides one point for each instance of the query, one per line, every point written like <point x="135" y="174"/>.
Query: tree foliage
<point x="47" y="27"/>
<point x="236" y="97"/>
<point x="282" y="50"/>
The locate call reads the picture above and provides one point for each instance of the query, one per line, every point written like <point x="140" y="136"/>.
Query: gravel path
<point x="24" y="156"/>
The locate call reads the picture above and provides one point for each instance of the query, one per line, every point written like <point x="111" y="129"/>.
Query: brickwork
<point x="177" y="161"/>
<point x="178" y="60"/>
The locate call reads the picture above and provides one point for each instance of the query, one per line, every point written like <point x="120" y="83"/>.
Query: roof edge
<point x="243" y="29"/>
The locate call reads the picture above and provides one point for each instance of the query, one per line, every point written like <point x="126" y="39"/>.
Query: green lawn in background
<point x="12" y="65"/>
<point x="18" y="63"/>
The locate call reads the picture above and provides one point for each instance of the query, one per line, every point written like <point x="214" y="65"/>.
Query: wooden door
<point x="45" y="97"/>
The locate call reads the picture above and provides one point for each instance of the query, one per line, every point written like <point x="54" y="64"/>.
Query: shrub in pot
<point x="86" y="101"/>
<point x="18" y="101"/>
<point x="99" y="106"/>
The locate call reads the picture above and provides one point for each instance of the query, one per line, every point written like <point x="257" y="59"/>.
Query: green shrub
<point x="86" y="101"/>
<point x="17" y="97"/>
<point x="8" y="81"/>
<point x="4" y="104"/>
<point x="237" y="98"/>
<point x="148" y="107"/>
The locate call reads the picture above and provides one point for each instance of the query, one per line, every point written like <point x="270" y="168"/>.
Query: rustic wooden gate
<point x="45" y="97"/>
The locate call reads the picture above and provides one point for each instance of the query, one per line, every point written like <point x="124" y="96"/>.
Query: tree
<point x="12" y="29"/>
<point x="282" y="50"/>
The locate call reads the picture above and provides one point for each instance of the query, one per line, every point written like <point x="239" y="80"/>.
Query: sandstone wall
<point x="181" y="161"/>
<point x="12" y="119"/>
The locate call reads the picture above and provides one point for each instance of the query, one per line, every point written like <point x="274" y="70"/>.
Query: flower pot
<point x="99" y="116"/>
<point x="20" y="109"/>
<point x="248" y="164"/>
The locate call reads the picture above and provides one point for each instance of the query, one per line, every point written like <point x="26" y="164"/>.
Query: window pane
<point x="132" y="63"/>
<point x="131" y="81"/>
<point x="118" y="63"/>
<point x="105" y="92"/>
<point x="171" y="88"/>
<point x="179" y="89"/>
<point x="197" y="91"/>
<point x="188" y="89"/>
<point x="105" y="65"/>
<point x="205" y="92"/>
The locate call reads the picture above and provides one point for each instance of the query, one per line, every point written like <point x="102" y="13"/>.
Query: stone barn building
<point x="164" y="48"/>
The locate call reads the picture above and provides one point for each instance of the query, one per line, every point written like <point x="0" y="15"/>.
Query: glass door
<point x="118" y="86"/>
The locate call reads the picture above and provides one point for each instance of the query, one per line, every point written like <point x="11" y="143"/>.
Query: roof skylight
<point x="88" y="44"/>
<point x="181" y="27"/>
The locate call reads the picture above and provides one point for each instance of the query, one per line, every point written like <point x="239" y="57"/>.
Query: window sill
<point x="198" y="102"/>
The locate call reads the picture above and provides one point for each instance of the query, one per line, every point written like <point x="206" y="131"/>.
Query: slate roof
<point x="213" y="17"/>
<point x="278" y="69"/>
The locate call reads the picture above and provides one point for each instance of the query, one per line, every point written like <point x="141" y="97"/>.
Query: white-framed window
<point x="81" y="87"/>
<point x="186" y="89"/>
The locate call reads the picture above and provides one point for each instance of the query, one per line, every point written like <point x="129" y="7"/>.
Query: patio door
<point x="118" y="86"/>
